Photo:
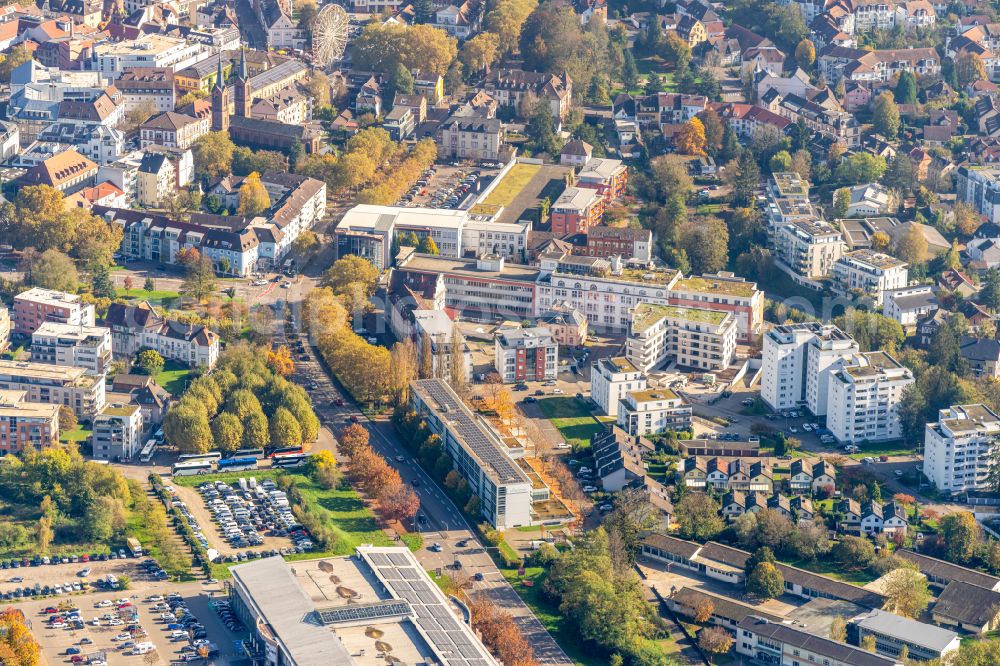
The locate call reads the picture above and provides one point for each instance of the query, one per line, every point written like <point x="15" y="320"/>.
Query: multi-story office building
<point x="809" y="247"/>
<point x="24" y="423"/>
<point x="960" y="447"/>
<point x="864" y="397"/>
<point x="778" y="643"/>
<point x="652" y="411"/>
<point x="55" y="384"/>
<point x="152" y="50"/>
<point x="87" y="347"/>
<point x="577" y="210"/>
<point x="526" y="354"/>
<point x="693" y="337"/>
<point x="611" y="379"/>
<point x="870" y="273"/>
<point x="797" y="361"/>
<point x="36" y="306"/>
<point x="118" y="432"/>
<point x="478" y="453"/>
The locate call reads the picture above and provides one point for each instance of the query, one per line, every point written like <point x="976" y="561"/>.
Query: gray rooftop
<point x="289" y="613"/>
<point x="907" y="630"/>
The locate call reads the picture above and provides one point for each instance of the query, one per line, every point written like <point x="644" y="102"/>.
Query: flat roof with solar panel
<point x="371" y="609"/>
<point x="476" y="436"/>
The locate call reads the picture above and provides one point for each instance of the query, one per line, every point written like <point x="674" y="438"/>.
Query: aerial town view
<point x="500" y="332"/>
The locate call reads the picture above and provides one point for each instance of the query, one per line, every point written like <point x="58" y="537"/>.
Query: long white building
<point x="864" y="397"/>
<point x="479" y="454"/>
<point x="959" y="448"/>
<point x="797" y="361"/>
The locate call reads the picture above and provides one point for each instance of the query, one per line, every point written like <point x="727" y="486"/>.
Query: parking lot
<point x="447" y="187"/>
<point x="241" y="520"/>
<point x="171" y="620"/>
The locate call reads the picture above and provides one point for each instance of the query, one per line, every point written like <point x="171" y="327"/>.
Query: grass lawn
<point x="573" y="420"/>
<point x="157" y="297"/>
<point x="512" y="184"/>
<point x="710" y="209"/>
<point x="897" y="448"/>
<point x="835" y="570"/>
<point x="78" y="434"/>
<point x="563" y="633"/>
<point x="174" y="377"/>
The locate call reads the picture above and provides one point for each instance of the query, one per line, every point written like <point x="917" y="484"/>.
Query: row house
<point x="739" y="474"/>
<point x="836" y="63"/>
<point x="805" y="477"/>
<point x="735" y="503"/>
<point x="872" y="518"/>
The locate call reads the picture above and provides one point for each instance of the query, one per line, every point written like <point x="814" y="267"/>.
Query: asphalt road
<point x="442" y="523"/>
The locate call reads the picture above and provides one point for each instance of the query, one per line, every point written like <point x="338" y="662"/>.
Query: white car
<point x="103" y="604"/>
<point x="557" y="391"/>
<point x="590" y="489"/>
<point x="155" y="597"/>
<point x="122" y="637"/>
<point x="400" y="459"/>
<point x="563" y="445"/>
<point x="807" y="427"/>
<point x="115" y="622"/>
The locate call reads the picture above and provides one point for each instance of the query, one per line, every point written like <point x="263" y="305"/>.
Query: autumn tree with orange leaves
<point x="500" y="633"/>
<point x="691" y="139"/>
<point x="353" y="438"/>
<point x="280" y="361"/>
<point x="17" y="645"/>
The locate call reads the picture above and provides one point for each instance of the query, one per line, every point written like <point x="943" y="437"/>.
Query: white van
<point x="143" y="648"/>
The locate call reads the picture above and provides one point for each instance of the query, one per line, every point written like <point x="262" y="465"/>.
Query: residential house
<point x="136" y="327"/>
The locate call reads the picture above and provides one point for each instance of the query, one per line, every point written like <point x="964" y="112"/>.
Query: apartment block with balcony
<point x="960" y="447"/>
<point x="24" y="423"/>
<point x="652" y="411"/>
<point x="696" y="338"/>
<point x="526" y="354"/>
<point x="118" y="433"/>
<point x="864" y="397"/>
<point x="55" y="385"/>
<point x="36" y="306"/>
<point x="797" y="362"/>
<point x="611" y="379"/>
<point x="87" y="347"/>
<point x="869" y="272"/>
<point x="810" y="248"/>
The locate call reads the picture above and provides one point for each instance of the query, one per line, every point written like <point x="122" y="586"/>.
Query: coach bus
<point x="246" y="453"/>
<point x="286" y="450"/>
<point x="289" y="460"/>
<point x="237" y="464"/>
<point x="147" y="451"/>
<point x="192" y="467"/>
<point x="211" y="456"/>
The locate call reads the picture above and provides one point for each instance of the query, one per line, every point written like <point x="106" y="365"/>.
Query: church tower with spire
<point x="242" y="87"/>
<point x="220" y="102"/>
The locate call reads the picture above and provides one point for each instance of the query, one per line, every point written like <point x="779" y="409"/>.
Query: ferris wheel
<point x="329" y="34"/>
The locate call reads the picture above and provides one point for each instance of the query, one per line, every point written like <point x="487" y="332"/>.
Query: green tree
<point x="906" y="592"/>
<point x="541" y="129"/>
<point x="989" y="295"/>
<point x="227" y="431"/>
<point x="101" y="284"/>
<point x="427" y="245"/>
<point x="706" y="242"/>
<point x="906" y="88"/>
<point x="747" y="179"/>
<point x="854" y="552"/>
<point x="12" y="60"/>
<point x="53" y="270"/>
<point x="256" y="434"/>
<point x="676" y="51"/>
<point x="861" y="168"/>
<point x="960" y="534"/>
<point x="186" y="427"/>
<point x="199" y="280"/>
<point x="213" y="155"/>
<point x="150" y="362"/>
<point x="284" y="429"/>
<point x="765" y="581"/>
<point x="698" y="517"/>
<point x="149" y="285"/>
<point x="886" y="116"/>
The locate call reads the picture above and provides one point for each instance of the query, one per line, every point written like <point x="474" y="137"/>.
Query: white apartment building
<point x="87" y="347"/>
<point x="980" y="186"/>
<point x="479" y="454"/>
<point x="869" y="272"/>
<point x="113" y="58"/>
<point x="810" y="248"/>
<point x="611" y="379"/>
<point x="526" y="354"/>
<point x="959" y="448"/>
<point x="652" y="411"/>
<point x="440" y="330"/>
<point x="908" y="305"/>
<point x="118" y="432"/>
<point x="723" y="292"/>
<point x="797" y="359"/>
<point x="693" y="337"/>
<point x="55" y="385"/>
<point x="137" y="327"/>
<point x="864" y="397"/>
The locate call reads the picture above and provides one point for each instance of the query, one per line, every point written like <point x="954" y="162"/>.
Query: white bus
<point x="211" y="456"/>
<point x="147" y="451"/>
<point x="192" y="467"/>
